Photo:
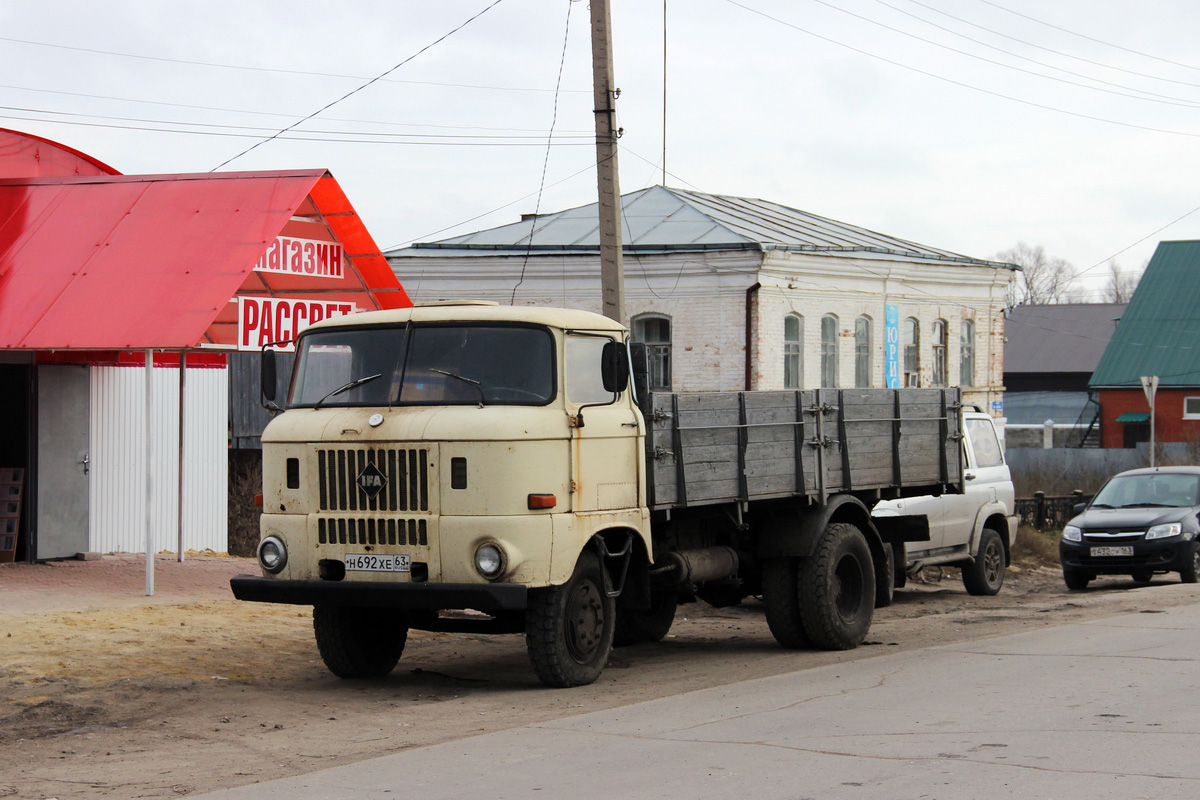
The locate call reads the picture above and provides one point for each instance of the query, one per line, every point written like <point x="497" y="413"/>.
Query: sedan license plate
<point x="1112" y="551"/>
<point x="369" y="562"/>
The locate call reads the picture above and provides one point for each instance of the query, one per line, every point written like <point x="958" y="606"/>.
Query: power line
<point x="954" y="82"/>
<point x="1089" y="38"/>
<point x="278" y="70"/>
<point x="1040" y="47"/>
<point x="255" y="112"/>
<point x="360" y="88"/>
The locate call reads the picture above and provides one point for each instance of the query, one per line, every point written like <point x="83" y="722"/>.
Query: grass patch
<point x="1035" y="548"/>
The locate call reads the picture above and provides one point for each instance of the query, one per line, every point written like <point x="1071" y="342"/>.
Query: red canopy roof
<point x="156" y="261"/>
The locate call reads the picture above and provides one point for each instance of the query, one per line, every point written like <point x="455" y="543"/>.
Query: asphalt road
<point x="1097" y="709"/>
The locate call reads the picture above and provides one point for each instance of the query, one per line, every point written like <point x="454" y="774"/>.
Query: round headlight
<point x="489" y="560"/>
<point x="272" y="554"/>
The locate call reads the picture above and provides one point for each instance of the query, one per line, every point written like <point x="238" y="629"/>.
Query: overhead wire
<point x="353" y="92"/>
<point x="955" y="82"/>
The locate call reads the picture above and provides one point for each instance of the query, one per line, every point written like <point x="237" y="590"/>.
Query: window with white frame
<point x="937" y="333"/>
<point x="654" y="331"/>
<point x="862" y="352"/>
<point x="1191" y="407"/>
<point x="829" y="350"/>
<point x="912" y="352"/>
<point x="793" y="351"/>
<point x="966" y="354"/>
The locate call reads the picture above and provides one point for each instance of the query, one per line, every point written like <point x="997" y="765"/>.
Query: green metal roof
<point x="1134" y="416"/>
<point x="1159" y="333"/>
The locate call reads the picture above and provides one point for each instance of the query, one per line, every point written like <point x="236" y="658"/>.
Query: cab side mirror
<point x="267" y="377"/>
<point x="614" y="367"/>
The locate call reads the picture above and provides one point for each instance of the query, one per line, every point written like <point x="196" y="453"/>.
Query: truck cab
<point x="974" y="529"/>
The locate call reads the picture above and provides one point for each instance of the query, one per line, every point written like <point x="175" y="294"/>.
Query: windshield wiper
<point x="1147" y="505"/>
<point x="478" y="386"/>
<point x="347" y="387"/>
<point x="1101" y="505"/>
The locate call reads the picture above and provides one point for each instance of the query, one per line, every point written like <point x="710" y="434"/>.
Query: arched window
<point x="829" y="350"/>
<point x="938" y="334"/>
<point x="654" y="331"/>
<point x="966" y="357"/>
<point x="793" y="351"/>
<point x="862" y="352"/>
<point x="912" y="355"/>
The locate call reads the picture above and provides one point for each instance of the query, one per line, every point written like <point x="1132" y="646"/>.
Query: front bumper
<point x="490" y="598"/>
<point x="1169" y="555"/>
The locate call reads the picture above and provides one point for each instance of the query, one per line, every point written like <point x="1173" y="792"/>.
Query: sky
<point x="968" y="125"/>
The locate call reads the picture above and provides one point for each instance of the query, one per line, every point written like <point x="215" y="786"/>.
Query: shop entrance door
<point x="63" y="411"/>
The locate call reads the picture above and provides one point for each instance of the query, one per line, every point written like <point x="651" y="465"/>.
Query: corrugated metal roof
<point x="152" y="261"/>
<point x="661" y="219"/>
<point x="1159" y="334"/>
<point x="1070" y="337"/>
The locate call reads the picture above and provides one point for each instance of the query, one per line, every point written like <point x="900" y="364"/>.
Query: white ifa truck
<point x="476" y="468"/>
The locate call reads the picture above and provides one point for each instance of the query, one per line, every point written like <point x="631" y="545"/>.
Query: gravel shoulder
<point x="165" y="699"/>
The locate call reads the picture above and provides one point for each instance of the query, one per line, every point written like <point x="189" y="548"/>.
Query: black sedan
<point x="1141" y="522"/>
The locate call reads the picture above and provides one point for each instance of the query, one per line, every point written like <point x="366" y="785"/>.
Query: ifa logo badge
<point x="371" y="480"/>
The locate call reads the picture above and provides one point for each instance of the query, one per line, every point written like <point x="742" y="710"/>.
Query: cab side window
<point x="984" y="443"/>
<point x="585" y="383"/>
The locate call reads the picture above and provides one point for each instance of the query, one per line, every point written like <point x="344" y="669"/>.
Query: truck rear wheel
<point x="782" y="602"/>
<point x="836" y="587"/>
<point x="569" y="628"/>
<point x="358" y="642"/>
<point x="637" y="625"/>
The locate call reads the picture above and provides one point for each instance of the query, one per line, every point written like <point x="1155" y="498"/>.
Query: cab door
<point x="606" y="432"/>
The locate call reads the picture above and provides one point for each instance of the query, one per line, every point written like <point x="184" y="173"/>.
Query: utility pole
<point x="612" y="271"/>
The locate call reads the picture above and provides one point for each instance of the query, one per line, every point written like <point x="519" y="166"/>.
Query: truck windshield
<point x="460" y="364"/>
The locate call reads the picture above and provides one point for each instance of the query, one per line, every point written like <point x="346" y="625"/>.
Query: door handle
<point x="969" y="476"/>
<point x="86" y="464"/>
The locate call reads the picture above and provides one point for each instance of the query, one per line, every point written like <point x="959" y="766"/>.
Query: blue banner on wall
<point x="891" y="357"/>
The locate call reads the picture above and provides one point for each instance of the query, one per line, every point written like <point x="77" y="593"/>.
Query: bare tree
<point x="1042" y="279"/>
<point x="1120" y="284"/>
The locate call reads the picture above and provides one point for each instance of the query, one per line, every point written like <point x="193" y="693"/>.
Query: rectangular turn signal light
<point x="542" y="501"/>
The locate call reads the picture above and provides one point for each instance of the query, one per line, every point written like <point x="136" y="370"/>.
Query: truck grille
<point x="373" y="531"/>
<point x="405" y="473"/>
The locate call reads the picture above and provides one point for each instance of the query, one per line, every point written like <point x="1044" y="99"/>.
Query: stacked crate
<point x="12" y="486"/>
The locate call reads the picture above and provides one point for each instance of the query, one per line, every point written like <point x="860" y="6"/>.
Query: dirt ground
<point x="168" y="700"/>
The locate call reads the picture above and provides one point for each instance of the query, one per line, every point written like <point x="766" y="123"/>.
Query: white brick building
<point x="746" y="294"/>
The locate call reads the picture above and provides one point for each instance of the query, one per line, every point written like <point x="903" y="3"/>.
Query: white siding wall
<point x="118" y="456"/>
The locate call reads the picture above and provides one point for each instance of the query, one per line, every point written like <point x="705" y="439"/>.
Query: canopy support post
<point x="149" y="474"/>
<point x="182" y="409"/>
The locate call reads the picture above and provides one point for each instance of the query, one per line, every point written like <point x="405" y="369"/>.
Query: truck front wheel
<point x="569" y="628"/>
<point x="836" y="587"/>
<point x="358" y="642"/>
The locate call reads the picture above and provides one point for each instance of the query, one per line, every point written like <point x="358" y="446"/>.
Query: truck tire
<point x="358" y="642"/>
<point x="569" y="629"/>
<point x="782" y="602"/>
<point x="637" y="625"/>
<point x="837" y="589"/>
<point x="985" y="575"/>
<point x="885" y="579"/>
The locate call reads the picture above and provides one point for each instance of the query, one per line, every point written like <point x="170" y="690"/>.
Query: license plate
<point x="1112" y="551"/>
<point x="369" y="562"/>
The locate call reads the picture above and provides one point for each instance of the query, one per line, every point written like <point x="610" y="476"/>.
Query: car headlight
<point x="1165" y="531"/>
<point x="272" y="554"/>
<point x="1072" y="534"/>
<point x="489" y="560"/>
